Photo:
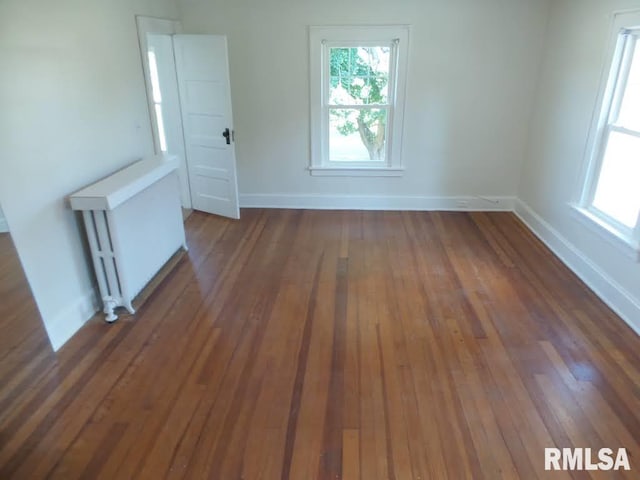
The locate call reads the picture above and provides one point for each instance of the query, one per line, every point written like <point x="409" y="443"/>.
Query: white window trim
<point x="319" y="39"/>
<point x="626" y="239"/>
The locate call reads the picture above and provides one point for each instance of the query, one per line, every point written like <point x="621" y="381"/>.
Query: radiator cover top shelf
<point x="114" y="190"/>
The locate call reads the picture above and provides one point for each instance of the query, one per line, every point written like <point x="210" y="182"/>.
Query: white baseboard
<point x="377" y="202"/>
<point x="69" y="321"/>
<point x="611" y="292"/>
<point x="4" y="226"/>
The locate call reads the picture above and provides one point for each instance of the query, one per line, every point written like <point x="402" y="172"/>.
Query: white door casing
<point x="205" y="96"/>
<point x="155" y="34"/>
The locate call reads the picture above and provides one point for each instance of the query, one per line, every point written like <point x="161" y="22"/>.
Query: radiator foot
<point x="109" y="307"/>
<point x="129" y="306"/>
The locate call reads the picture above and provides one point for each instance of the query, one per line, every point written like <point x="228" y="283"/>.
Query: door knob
<point x="227" y="135"/>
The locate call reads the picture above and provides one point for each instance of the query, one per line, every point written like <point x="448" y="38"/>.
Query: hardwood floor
<point x="301" y="345"/>
<point x="23" y="340"/>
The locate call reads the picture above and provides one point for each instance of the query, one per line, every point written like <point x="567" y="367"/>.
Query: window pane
<point x="629" y="116"/>
<point x="357" y="135"/>
<point x="162" y="138"/>
<point x="618" y="191"/>
<point x="359" y="75"/>
<point x="153" y="74"/>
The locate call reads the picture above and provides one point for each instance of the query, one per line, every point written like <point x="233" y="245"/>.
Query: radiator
<point x="133" y="221"/>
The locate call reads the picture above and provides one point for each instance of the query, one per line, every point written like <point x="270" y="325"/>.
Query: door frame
<point x="161" y="26"/>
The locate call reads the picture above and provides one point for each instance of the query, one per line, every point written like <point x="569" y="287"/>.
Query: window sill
<point x="356" y="171"/>
<point x="622" y="243"/>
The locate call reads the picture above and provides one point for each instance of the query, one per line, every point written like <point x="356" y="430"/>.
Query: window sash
<point x="622" y="76"/>
<point x="620" y="129"/>
<point x="360" y="163"/>
<point x="327" y="106"/>
<point x="369" y="106"/>
<point x="326" y="66"/>
<point x="621" y="227"/>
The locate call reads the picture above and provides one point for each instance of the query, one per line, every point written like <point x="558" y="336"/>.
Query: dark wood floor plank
<point x="299" y="344"/>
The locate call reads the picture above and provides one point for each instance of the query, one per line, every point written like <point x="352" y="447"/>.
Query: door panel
<point x="205" y="94"/>
<point x="201" y="127"/>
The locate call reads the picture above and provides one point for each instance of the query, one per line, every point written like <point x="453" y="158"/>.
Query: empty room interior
<point x="280" y="239"/>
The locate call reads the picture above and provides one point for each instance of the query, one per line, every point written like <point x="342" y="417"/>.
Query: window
<point x="611" y="196"/>
<point x="357" y="99"/>
<point x="157" y="98"/>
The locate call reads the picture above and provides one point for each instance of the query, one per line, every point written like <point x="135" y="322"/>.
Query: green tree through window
<point x="358" y="90"/>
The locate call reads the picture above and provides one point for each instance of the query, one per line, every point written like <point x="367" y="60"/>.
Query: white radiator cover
<point x="133" y="221"/>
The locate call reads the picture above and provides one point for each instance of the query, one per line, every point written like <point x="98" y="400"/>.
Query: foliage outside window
<point x="358" y="103"/>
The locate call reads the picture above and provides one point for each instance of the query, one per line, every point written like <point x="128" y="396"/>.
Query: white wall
<point x="4" y="226"/>
<point x="472" y="69"/>
<point x="577" y="39"/>
<point x="73" y="110"/>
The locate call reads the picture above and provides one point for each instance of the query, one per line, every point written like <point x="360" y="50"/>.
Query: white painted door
<point x="205" y="96"/>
